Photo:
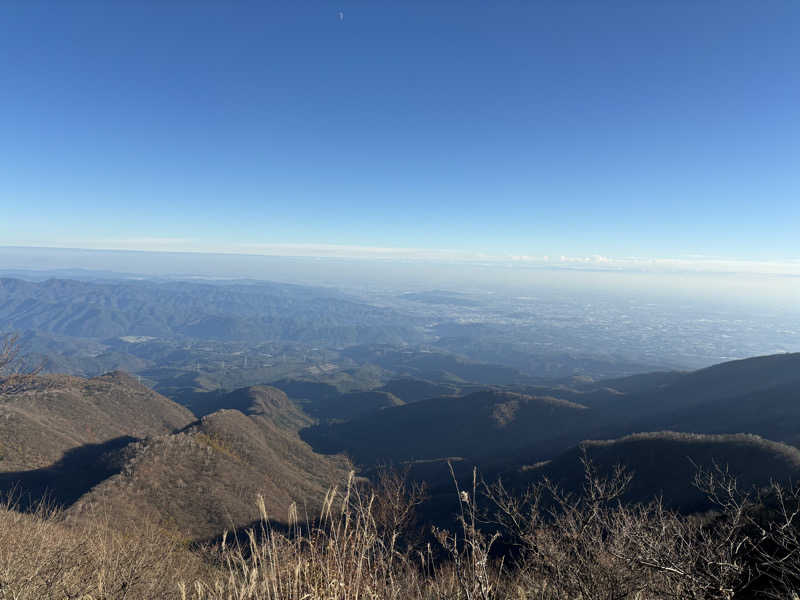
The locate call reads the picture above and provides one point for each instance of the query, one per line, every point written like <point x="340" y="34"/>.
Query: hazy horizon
<point x="669" y="282"/>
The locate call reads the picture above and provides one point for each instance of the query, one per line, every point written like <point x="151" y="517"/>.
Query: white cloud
<point x="689" y="263"/>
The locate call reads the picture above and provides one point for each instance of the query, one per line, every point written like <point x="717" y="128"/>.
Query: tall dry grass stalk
<point x="347" y="553"/>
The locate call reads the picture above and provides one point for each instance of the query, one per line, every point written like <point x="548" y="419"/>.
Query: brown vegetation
<point x="44" y="557"/>
<point x="207" y="477"/>
<point x="111" y="443"/>
<point x="44" y="416"/>
<point x="555" y="546"/>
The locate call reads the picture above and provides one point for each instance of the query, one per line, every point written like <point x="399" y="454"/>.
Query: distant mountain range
<point x="245" y="312"/>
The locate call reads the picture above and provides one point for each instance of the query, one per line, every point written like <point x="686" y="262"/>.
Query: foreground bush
<point x="42" y="556"/>
<point x="539" y="544"/>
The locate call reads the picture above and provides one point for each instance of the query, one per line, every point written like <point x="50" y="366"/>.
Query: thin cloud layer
<point x="693" y="263"/>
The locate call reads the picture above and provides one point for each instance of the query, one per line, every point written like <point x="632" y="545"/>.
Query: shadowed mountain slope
<point x="738" y="378"/>
<point x="773" y="413"/>
<point x="53" y="414"/>
<point x="409" y="389"/>
<point x="665" y="463"/>
<point x="758" y="395"/>
<point x="488" y="423"/>
<point x="354" y="404"/>
<point x="208" y="477"/>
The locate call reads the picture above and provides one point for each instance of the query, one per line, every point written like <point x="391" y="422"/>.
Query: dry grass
<point x="557" y="547"/>
<point x="43" y="556"/>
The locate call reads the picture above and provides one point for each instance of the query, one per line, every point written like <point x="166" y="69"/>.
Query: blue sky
<point x="616" y="129"/>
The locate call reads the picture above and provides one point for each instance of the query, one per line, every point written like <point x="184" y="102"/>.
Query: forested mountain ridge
<point x="664" y="464"/>
<point x="481" y="424"/>
<point x="51" y="414"/>
<point x="754" y="396"/>
<point x="110" y="441"/>
<point x="146" y="455"/>
<point x="209" y="477"/>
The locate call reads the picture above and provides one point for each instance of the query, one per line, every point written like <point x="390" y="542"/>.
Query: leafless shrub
<point x="775" y="526"/>
<point x="571" y="546"/>
<point x="594" y="546"/>
<point x="13" y="377"/>
<point x="395" y="503"/>
<point x="470" y="548"/>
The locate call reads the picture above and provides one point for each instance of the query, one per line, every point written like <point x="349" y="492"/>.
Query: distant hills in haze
<point x="250" y="332"/>
<point x="244" y="311"/>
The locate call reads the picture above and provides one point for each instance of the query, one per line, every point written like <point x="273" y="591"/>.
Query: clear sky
<point x="621" y="129"/>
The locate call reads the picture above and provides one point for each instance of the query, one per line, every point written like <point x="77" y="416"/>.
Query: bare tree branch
<point x="13" y="376"/>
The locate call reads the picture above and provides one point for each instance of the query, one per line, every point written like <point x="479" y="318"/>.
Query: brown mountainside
<point x="207" y="478"/>
<point x="53" y="414"/>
